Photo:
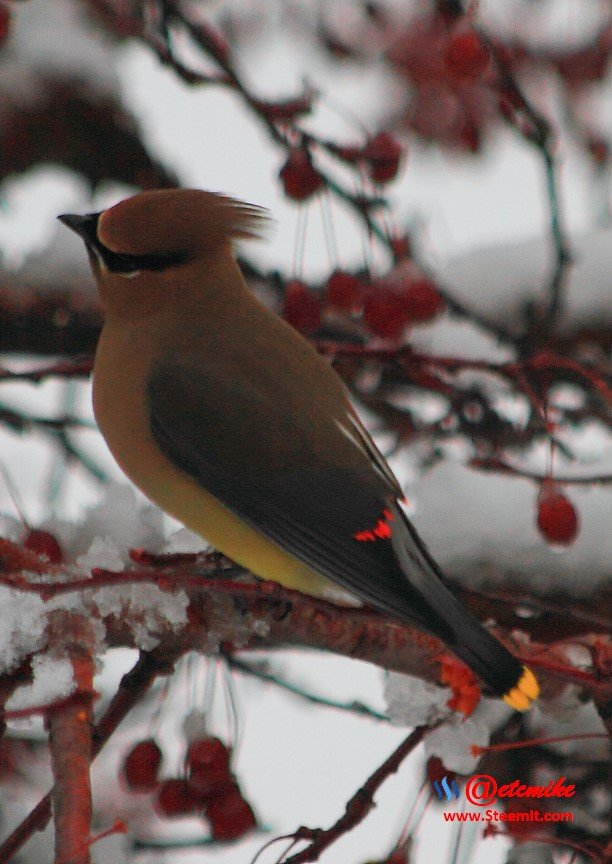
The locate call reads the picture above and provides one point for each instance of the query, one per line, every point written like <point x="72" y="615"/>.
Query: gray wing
<point x="277" y="483"/>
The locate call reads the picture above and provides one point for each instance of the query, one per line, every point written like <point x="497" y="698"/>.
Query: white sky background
<point x="300" y="765"/>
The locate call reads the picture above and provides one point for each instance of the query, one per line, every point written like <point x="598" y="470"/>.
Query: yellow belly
<point x="198" y="510"/>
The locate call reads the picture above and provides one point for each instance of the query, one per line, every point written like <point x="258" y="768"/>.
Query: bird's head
<point x="162" y="229"/>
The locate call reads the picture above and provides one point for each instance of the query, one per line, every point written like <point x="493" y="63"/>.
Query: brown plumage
<point x="228" y="419"/>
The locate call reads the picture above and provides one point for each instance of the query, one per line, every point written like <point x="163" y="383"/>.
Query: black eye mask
<point x="116" y="262"/>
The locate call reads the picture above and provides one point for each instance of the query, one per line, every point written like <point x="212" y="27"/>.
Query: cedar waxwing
<point x="230" y="421"/>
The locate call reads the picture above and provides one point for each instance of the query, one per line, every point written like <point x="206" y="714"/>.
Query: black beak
<point x="85" y="226"/>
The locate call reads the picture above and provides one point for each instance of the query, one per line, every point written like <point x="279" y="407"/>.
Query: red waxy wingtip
<point x="380" y="531"/>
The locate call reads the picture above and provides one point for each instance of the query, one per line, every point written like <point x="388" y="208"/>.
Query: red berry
<point x="302" y="307"/>
<point x="466" y="56"/>
<point x="208" y="760"/>
<point x="344" y="291"/>
<point x="141" y="766"/>
<point x="230" y="816"/>
<point x="208" y="753"/>
<point x="175" y="798"/>
<point x="206" y="785"/>
<point x="557" y="517"/>
<point x="383" y="154"/>
<point x="5" y="22"/>
<point x="300" y="178"/>
<point x="45" y="544"/>
<point x="422" y="300"/>
<point x="384" y="313"/>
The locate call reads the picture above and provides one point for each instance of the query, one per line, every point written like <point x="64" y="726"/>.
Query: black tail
<point x="448" y="619"/>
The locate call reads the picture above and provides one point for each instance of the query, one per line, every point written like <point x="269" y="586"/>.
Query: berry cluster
<point x="386" y="306"/>
<point x="208" y="788"/>
<point x="449" y="71"/>
<point x="380" y="157"/>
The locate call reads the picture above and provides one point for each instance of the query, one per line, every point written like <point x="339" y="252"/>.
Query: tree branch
<point x="132" y="688"/>
<point x="70" y="741"/>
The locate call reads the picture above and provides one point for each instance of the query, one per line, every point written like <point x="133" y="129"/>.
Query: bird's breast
<point x="122" y="365"/>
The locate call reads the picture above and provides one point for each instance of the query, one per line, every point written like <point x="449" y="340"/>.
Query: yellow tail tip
<point x="523" y="694"/>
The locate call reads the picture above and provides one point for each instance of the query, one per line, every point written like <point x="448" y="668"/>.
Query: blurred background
<point x="462" y="148"/>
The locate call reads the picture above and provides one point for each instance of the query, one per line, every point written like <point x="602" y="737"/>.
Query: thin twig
<point x="501" y="467"/>
<point x="358" y="807"/>
<point x="538" y="133"/>
<point x="357" y="708"/>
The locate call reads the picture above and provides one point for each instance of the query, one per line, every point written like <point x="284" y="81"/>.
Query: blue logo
<point x="447" y="789"/>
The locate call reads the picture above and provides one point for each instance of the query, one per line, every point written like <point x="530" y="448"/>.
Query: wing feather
<point x="313" y="508"/>
<point x="313" y="512"/>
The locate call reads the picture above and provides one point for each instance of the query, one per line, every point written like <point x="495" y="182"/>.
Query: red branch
<point x="286" y="617"/>
<point x="70" y="741"/>
<point x="545" y="363"/>
<point x="226" y="607"/>
<point x="132" y="688"/>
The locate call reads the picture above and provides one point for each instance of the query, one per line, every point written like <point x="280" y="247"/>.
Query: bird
<point x="231" y="421"/>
